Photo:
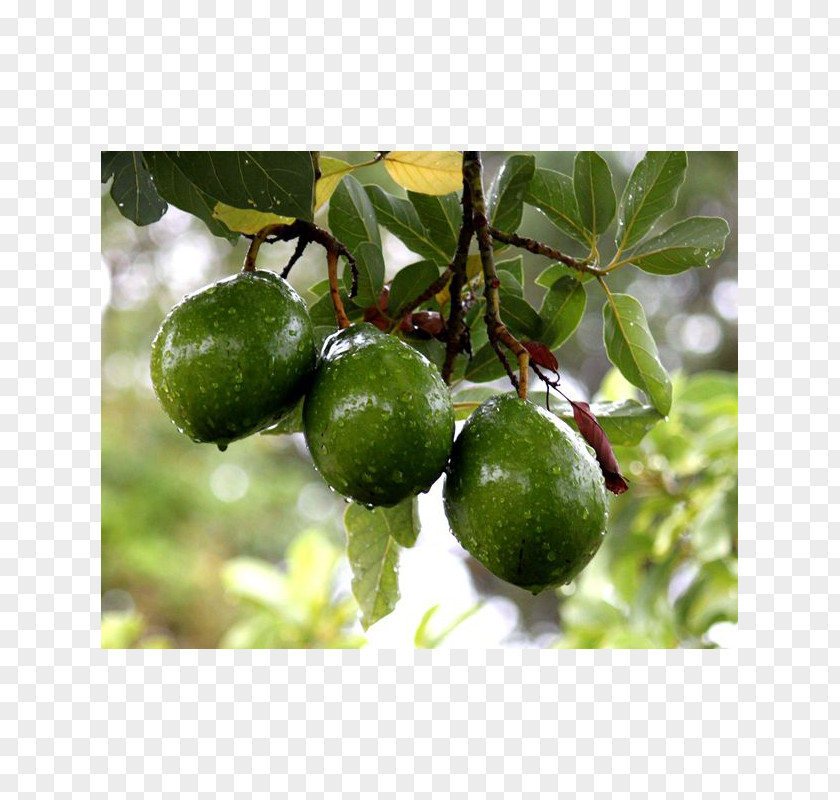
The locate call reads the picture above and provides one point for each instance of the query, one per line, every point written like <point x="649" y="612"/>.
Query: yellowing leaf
<point x="426" y="171"/>
<point x="246" y="220"/>
<point x="332" y="171"/>
<point x="473" y="270"/>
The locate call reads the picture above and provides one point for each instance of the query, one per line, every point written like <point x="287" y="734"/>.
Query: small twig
<point x="496" y="329"/>
<point x="335" y="294"/>
<point x="302" y="242"/>
<point x="250" y="264"/>
<point x="540" y="249"/>
<point x="505" y="363"/>
<point x="308" y="232"/>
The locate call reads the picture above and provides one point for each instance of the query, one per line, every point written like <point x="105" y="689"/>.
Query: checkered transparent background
<point x="76" y="721"/>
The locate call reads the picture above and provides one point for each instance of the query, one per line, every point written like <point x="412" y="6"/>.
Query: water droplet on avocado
<point x="222" y="447"/>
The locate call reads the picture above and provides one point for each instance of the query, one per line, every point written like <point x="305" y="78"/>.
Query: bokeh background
<point x="245" y="549"/>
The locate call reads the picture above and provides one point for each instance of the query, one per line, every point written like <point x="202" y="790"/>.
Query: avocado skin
<point x="232" y="357"/>
<point x="523" y="494"/>
<point x="378" y="419"/>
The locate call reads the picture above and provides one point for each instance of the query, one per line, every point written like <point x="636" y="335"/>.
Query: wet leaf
<point x="373" y="545"/>
<point x="631" y="348"/>
<point x="554" y="194"/>
<point x="561" y="312"/>
<point x="351" y="216"/>
<point x="278" y="181"/>
<point x="400" y="218"/>
<point x="133" y="189"/>
<point x="506" y="196"/>
<point x="650" y="192"/>
<point x="409" y="283"/>
<point x="594" y="192"/>
<point x="694" y="242"/>
<point x="440" y="216"/>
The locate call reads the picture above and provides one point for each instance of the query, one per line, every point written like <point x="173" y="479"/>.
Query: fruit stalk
<point x="496" y="329"/>
<point x="335" y="294"/>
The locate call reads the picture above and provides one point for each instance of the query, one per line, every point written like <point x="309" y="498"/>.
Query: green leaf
<point x="631" y="348"/>
<point x="403" y="522"/>
<point x="432" y="349"/>
<point x="322" y="311"/>
<point x="371" y="268"/>
<point x="625" y="423"/>
<point x="473" y="394"/>
<point x="133" y="189"/>
<point x="440" y="215"/>
<point x="282" y="182"/>
<point x="321" y="288"/>
<point x="690" y="243"/>
<point x="594" y="192"/>
<point x="650" y="192"/>
<point x="178" y="189"/>
<point x="400" y="218"/>
<point x="549" y="275"/>
<point x="410" y="282"/>
<point x="518" y="315"/>
<point x="351" y="216"/>
<point x="553" y="193"/>
<point x="110" y="159"/>
<point x="561" y="311"/>
<point x="484" y="365"/>
<point x="507" y="194"/>
<point x="512" y="266"/>
<point x="373" y="550"/>
<point x="509" y="284"/>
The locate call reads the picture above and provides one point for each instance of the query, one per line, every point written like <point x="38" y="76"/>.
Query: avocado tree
<point x="375" y="372"/>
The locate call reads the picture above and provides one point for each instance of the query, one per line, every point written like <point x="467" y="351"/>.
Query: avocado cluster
<point x="522" y="493"/>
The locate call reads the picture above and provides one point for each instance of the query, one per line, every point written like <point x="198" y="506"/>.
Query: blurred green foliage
<point x="667" y="571"/>
<point x="298" y="607"/>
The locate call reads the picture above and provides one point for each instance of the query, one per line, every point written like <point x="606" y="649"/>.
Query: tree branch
<point x="306" y="232"/>
<point x="455" y="327"/>
<point x="540" y="249"/>
<point x="496" y="329"/>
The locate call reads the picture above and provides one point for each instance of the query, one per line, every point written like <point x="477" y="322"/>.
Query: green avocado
<point x="378" y="419"/>
<point x="523" y="494"/>
<point x="233" y="357"/>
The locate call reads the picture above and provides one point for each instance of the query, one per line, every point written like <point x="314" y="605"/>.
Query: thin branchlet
<point x="308" y="232"/>
<point x="540" y="249"/>
<point x="456" y="330"/>
<point x="496" y="330"/>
